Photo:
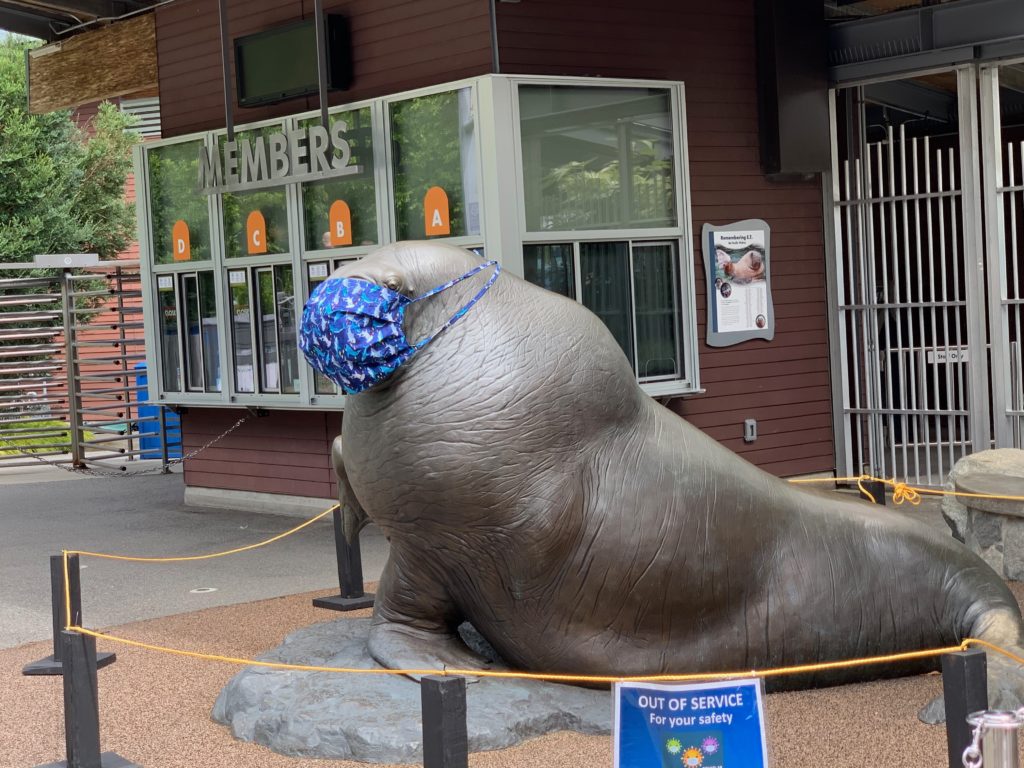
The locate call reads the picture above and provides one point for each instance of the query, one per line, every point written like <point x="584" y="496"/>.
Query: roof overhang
<point x="52" y="20"/>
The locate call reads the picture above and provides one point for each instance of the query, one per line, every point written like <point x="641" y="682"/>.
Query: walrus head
<point x="371" y="317"/>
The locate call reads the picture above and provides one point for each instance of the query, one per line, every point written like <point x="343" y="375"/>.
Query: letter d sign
<point x="179" y="237"/>
<point x="255" y="233"/>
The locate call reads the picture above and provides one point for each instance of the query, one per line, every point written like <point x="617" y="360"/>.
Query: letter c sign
<point x="255" y="233"/>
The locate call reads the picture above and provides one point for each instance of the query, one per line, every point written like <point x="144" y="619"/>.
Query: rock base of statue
<point x="376" y="718"/>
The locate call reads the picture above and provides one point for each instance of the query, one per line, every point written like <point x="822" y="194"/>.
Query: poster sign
<point x="705" y="725"/>
<point x="737" y="265"/>
<point x="436" y="220"/>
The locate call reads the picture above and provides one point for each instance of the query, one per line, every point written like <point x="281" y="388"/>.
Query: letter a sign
<point x="341" y="224"/>
<point x="180" y="241"/>
<point x="435" y="212"/>
<point x="255" y="233"/>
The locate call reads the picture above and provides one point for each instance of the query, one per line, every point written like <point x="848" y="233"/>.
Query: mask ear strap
<point x="469" y="305"/>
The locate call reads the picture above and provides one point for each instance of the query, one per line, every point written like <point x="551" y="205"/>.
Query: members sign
<point x="703" y="725"/>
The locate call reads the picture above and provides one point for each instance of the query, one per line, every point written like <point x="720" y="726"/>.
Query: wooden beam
<point x="91" y="67"/>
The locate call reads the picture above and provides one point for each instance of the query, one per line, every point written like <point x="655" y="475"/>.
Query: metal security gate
<point x="1002" y="126"/>
<point x="70" y="341"/>
<point x="908" y="291"/>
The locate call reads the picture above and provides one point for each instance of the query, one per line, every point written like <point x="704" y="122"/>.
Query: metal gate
<point x="908" y="289"/>
<point x="1002" y="126"/>
<point x="70" y="341"/>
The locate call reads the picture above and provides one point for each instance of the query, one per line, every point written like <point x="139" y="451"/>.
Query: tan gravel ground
<point x="155" y="708"/>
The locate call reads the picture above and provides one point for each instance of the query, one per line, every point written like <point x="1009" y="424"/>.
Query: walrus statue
<point x="529" y="486"/>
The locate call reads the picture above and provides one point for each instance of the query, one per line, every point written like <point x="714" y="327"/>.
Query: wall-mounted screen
<point x="280" y="63"/>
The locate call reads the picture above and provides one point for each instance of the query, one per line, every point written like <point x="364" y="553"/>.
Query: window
<point x="356" y="191"/>
<point x="173" y="203"/>
<point x="597" y="158"/>
<point x="433" y="144"/>
<point x="244" y="235"/>
<point x="188" y="332"/>
<point x="277" y="331"/>
<point x="632" y="286"/>
<point x="317" y="272"/>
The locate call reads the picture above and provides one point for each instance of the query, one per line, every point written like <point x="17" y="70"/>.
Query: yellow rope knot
<point x="902" y="492"/>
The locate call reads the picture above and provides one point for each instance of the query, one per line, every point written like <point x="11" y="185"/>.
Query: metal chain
<point x="155" y="471"/>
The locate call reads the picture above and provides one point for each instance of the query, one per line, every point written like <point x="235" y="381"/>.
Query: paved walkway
<point x="45" y="510"/>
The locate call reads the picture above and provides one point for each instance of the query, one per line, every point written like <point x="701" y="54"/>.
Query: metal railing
<point x="70" y="341"/>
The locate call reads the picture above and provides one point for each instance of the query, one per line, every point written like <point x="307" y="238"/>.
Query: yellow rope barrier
<point x="209" y="556"/>
<point x="560" y="677"/>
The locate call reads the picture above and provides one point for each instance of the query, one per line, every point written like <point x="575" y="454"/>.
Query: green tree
<point x="61" y="191"/>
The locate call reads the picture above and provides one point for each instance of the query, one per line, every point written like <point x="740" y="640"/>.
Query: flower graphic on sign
<point x="709" y="745"/>
<point x="674" y="746"/>
<point x="693" y="757"/>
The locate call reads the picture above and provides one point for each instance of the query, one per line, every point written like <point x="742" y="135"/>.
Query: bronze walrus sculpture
<point x="529" y="486"/>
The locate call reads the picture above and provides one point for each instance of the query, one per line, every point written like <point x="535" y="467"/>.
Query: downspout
<point x="495" y="63"/>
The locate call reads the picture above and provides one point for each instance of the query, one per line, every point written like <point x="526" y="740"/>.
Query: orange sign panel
<point x="435" y="212"/>
<point x="255" y="233"/>
<point x="180" y="241"/>
<point x="341" y="224"/>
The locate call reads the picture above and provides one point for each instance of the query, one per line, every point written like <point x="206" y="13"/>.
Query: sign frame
<point x="746" y="312"/>
<point x="665" y="690"/>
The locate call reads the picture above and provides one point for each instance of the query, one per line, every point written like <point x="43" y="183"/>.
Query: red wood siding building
<point x="398" y="45"/>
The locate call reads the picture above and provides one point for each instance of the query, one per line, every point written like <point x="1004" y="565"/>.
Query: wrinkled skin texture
<point x="529" y="486"/>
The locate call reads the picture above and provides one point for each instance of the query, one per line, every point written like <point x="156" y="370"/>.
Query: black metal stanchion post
<point x="52" y="665"/>
<point x="877" y="490"/>
<point x="350" y="573"/>
<point x="445" y="741"/>
<point x="964" y="690"/>
<point x="82" y="707"/>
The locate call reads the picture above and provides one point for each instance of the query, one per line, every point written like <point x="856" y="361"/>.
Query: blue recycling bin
<point x="150" y="437"/>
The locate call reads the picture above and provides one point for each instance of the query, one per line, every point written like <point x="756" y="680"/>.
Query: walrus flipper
<point x="353" y="516"/>
<point x="1000" y="627"/>
<point x="413" y="627"/>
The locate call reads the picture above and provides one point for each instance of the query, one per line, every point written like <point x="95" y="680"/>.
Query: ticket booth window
<point x="175" y="208"/>
<point x="342" y="212"/>
<point x="597" y="158"/>
<point x="434" y="150"/>
<point x="167" y="327"/>
<point x="255" y="223"/>
<point x="631" y="285"/>
<point x="243" y="361"/>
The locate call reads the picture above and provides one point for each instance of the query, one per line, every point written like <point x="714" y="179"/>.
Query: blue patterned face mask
<point x="352" y="329"/>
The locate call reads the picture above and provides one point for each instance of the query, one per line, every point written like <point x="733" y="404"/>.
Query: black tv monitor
<point x="280" y="63"/>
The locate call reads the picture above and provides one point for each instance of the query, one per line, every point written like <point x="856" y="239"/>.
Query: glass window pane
<point x="271" y="204"/>
<point x="211" y="342"/>
<point x="550" y="266"/>
<point x="173" y="197"/>
<point x="170" y="357"/>
<point x="604" y="280"/>
<point x="287" y="328"/>
<point x="241" y="330"/>
<point x="193" y="339"/>
<point x="655" y="281"/>
<point x="266" y="304"/>
<point x="597" y="158"/>
<point x="357" y="190"/>
<point x="434" y="145"/>
<point x="318" y="272"/>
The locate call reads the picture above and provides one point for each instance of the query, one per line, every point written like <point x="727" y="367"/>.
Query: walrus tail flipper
<point x="1000" y="627"/>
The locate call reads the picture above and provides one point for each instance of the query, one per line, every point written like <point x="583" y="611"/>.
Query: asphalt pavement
<point x="43" y="512"/>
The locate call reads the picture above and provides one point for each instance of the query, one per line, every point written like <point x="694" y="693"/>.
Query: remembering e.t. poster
<point x="701" y="725"/>
<point x="736" y="258"/>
